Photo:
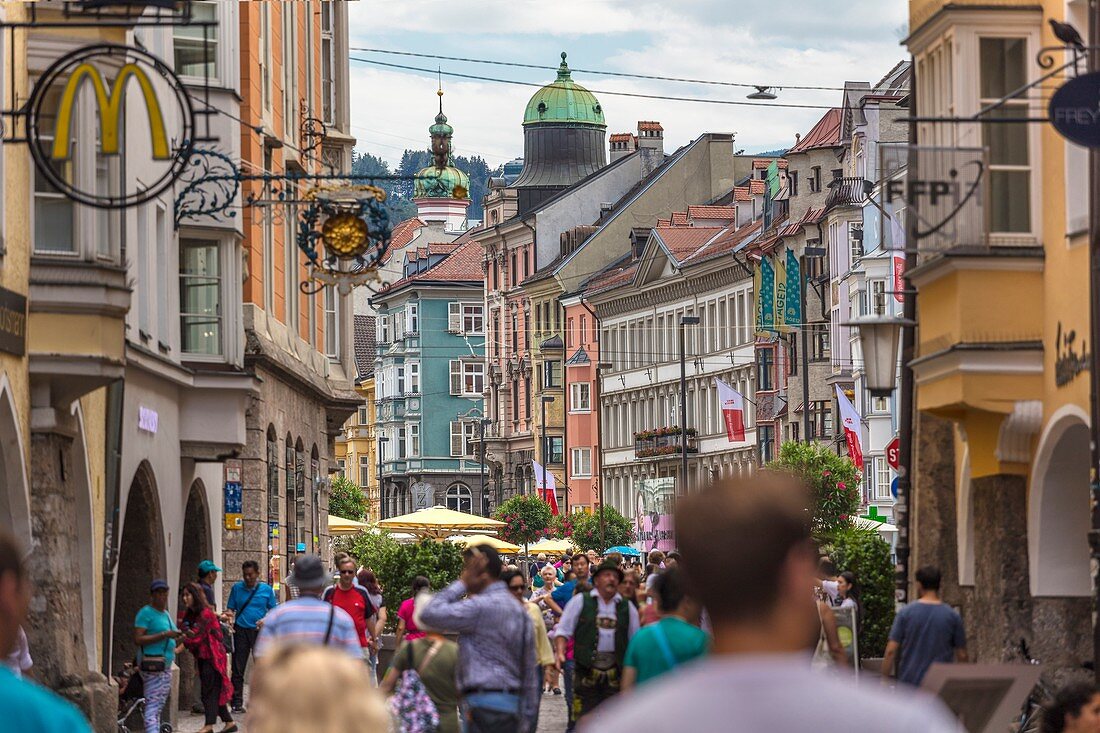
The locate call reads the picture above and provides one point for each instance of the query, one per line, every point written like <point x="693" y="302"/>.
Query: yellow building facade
<point x="356" y="449"/>
<point x="1001" y="448"/>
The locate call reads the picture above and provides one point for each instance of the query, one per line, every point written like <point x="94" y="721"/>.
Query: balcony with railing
<point x="663" y="442"/>
<point x="846" y="191"/>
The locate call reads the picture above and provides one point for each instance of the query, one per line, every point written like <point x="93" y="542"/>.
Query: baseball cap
<point x="208" y="566"/>
<point x="158" y="584"/>
<point x="308" y="572"/>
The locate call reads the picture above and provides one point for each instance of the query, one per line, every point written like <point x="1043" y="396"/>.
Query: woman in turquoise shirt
<point x="155" y="634"/>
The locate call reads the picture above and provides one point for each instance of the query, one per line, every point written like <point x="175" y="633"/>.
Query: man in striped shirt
<point x="308" y="619"/>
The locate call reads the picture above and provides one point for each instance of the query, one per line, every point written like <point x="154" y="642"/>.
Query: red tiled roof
<point x="403" y="233"/>
<point x="757" y="187"/>
<point x="664" y="222"/>
<point x="742" y="193"/>
<point x="463" y="264"/>
<point x="727" y="213"/>
<point x="825" y="134"/>
<point x="610" y="278"/>
<point x="617" y="137"/>
<point x="649" y="125"/>
<point x="812" y="216"/>
<point x="679" y="217"/>
<point x="762" y="163"/>
<point x="682" y="242"/>
<point x="726" y="242"/>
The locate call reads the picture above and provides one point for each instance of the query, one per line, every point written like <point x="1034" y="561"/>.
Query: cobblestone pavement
<point x="551" y="718"/>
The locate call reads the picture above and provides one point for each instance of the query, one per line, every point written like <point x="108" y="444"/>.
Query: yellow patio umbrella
<point x="505" y="548"/>
<point x="438" y="522"/>
<point x="551" y="546"/>
<point x="340" y="526"/>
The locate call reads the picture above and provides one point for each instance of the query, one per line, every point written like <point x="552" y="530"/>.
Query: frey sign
<point x="13" y="322"/>
<point x="1075" y="110"/>
<point x="943" y="191"/>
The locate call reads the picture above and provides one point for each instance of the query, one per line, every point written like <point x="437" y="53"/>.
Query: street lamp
<point x="761" y="93"/>
<point x="600" y="367"/>
<point x="878" y="340"/>
<point x="382" y="440"/>
<point x="545" y="438"/>
<point x="684" y="321"/>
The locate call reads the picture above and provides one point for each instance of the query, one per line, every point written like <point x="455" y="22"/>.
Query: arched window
<point x="299" y="507"/>
<point x="460" y="499"/>
<point x="289" y="533"/>
<point x="272" y="475"/>
<point x="315" y="489"/>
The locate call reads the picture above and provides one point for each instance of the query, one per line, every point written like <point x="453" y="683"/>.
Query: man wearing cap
<point x="601" y="624"/>
<point x="307" y="619"/>
<point x="208" y="575"/>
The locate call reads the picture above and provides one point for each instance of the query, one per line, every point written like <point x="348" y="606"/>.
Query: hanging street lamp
<point x="879" y="337"/>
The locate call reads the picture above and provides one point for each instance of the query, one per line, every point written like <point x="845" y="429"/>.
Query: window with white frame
<point x="412" y="370"/>
<point x="402" y="442"/>
<point x="880" y="404"/>
<point x="460" y="499"/>
<point x="473" y="318"/>
<point x="364" y="471"/>
<point x="269" y="246"/>
<point x="855" y="241"/>
<point x="382" y="327"/>
<point x="340" y="467"/>
<point x="551" y="373"/>
<point x="328" y="62"/>
<point x="400" y="379"/>
<point x="382" y="384"/>
<point x="463" y="436"/>
<point x="54" y="212"/>
<point x="290" y="70"/>
<point x="412" y="432"/>
<point x="291" y="265"/>
<point x="265" y="54"/>
<point x="580" y="397"/>
<point x="582" y="462"/>
<point x="1002" y="67"/>
<point x="332" y="323"/>
<point x="200" y="297"/>
<point x="878" y="297"/>
<point x="362" y="415"/>
<point x="195" y="47"/>
<point x="399" y="325"/>
<point x="467" y="377"/>
<point x="883" y="478"/>
<point x="412" y="318"/>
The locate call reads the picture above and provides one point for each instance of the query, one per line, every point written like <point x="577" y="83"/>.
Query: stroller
<point x="131" y="699"/>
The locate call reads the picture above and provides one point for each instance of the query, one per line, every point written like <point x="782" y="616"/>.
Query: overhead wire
<point x="602" y="72"/>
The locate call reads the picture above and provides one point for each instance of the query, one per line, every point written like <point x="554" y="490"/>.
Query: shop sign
<point x="1068" y="363"/>
<point x="148" y="420"/>
<point x="1074" y="110"/>
<point x="657" y="533"/>
<point x="234" y="506"/>
<point x="111" y="74"/>
<point x="943" y="191"/>
<point x="423" y="494"/>
<point x="13" y="322"/>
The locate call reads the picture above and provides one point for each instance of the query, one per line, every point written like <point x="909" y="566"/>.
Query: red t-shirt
<point x="357" y="604"/>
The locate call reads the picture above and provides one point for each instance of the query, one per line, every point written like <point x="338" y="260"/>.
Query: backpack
<point x="412" y="707"/>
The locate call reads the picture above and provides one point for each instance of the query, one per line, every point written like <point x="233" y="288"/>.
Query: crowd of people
<point x="716" y="638"/>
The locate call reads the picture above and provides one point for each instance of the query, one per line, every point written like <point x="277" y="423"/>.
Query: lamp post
<point x="482" y="424"/>
<point x="545" y="438"/>
<point x="684" y="322"/>
<point x="382" y="440"/>
<point x="598" y="451"/>
<point x="879" y="337"/>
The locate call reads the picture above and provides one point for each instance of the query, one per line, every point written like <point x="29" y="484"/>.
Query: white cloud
<point x="795" y="42"/>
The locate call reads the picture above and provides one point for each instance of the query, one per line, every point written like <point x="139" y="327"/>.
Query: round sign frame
<point x="82" y="55"/>
<point x="1072" y="105"/>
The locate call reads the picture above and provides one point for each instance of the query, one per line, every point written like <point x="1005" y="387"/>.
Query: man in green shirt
<point x="674" y="640"/>
<point x="26" y="706"/>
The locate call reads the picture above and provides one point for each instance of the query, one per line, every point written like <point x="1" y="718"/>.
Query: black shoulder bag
<point x="157" y="663"/>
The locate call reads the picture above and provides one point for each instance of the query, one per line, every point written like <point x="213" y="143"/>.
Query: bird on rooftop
<point x="1067" y="34"/>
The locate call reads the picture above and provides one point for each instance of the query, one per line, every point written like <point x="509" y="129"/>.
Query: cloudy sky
<point x="779" y="42"/>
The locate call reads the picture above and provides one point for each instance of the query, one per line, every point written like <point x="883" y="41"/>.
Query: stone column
<point x="933" y="515"/>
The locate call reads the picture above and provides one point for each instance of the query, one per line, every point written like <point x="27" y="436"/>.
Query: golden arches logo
<point x="110" y="110"/>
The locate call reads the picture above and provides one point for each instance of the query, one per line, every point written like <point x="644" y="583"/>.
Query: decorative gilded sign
<point x="111" y="74"/>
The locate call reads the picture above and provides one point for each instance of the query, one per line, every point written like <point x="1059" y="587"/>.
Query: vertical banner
<point x="732" y="403"/>
<point x="852" y="427"/>
<point x="547" y="486"/>
<point x="898" y="262"/>
<point x="234" y="504"/>
<point x="780" y="267"/>
<point x="757" y="315"/>
<point x="767" y="296"/>
<point x="793" y="316"/>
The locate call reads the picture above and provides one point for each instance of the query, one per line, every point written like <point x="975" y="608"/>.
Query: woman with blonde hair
<point x="314" y="689"/>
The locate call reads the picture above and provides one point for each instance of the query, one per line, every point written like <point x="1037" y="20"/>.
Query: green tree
<point x="526" y="519"/>
<point x="618" y="530"/>
<point x="865" y="553"/>
<point x="396" y="564"/>
<point x="347" y="500"/>
<point x="833" y="482"/>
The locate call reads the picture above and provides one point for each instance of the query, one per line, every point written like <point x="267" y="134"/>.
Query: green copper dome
<point x="564" y="101"/>
<point x="441" y="183"/>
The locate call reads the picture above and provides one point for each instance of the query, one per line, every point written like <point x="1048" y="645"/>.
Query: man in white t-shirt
<point x="754" y="534"/>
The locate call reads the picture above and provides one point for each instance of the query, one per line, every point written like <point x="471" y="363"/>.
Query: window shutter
<point x="454" y="318"/>
<point x="456" y="438"/>
<point x="456" y="376"/>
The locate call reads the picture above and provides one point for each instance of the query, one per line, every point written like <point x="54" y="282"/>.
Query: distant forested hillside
<point x="399" y="203"/>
